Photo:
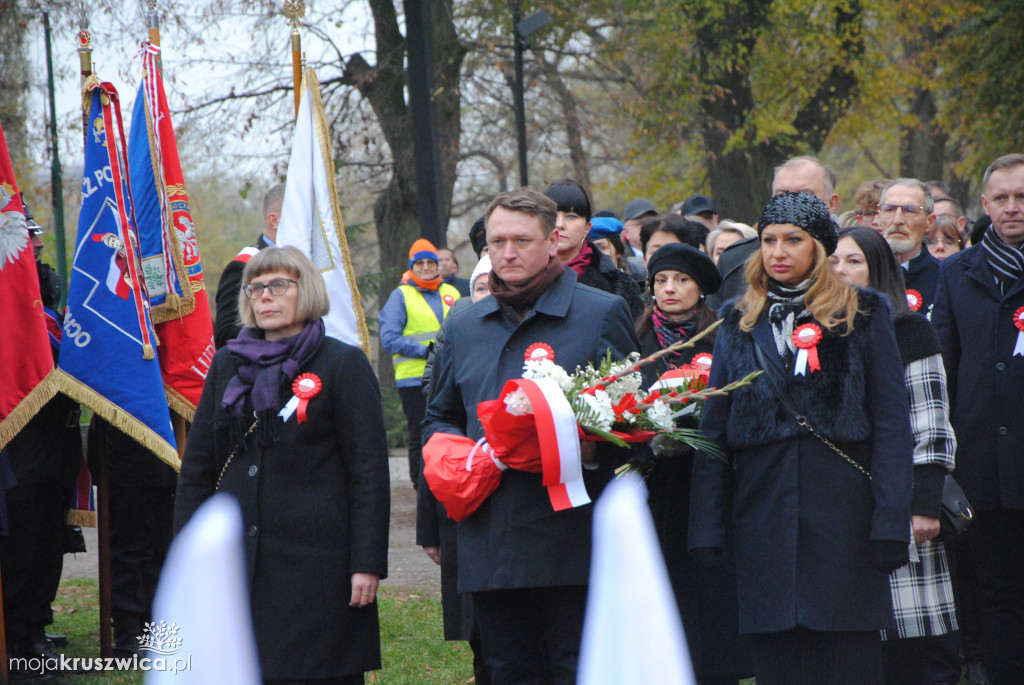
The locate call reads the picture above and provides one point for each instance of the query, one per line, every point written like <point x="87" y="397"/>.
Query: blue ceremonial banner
<point x="107" y="356"/>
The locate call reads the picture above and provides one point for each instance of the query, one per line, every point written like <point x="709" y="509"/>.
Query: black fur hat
<point x="804" y="210"/>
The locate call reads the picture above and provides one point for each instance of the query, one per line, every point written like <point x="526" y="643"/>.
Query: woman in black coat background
<point x="922" y="645"/>
<point x="592" y="267"/>
<point x="679" y="277"/>
<point x="310" y="473"/>
<point x="815" y="536"/>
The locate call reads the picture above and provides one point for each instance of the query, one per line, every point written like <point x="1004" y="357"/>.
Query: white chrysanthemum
<point x="660" y="414"/>
<point x="517" y="403"/>
<point x="548" y="369"/>
<point x="628" y="384"/>
<point x="601" y="405"/>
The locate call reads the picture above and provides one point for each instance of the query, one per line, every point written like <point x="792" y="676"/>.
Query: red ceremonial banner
<point x="25" y="384"/>
<point x="183" y="325"/>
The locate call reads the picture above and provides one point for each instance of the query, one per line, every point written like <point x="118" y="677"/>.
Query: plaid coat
<point x="922" y="591"/>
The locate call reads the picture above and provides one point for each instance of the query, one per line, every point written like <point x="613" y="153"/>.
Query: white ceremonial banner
<point x="632" y="634"/>
<point x="311" y="216"/>
<point x="203" y="602"/>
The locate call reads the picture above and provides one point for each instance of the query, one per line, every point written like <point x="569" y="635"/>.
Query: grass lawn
<point x="414" y="650"/>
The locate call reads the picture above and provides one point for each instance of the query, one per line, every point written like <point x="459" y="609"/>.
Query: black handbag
<point x="956" y="510"/>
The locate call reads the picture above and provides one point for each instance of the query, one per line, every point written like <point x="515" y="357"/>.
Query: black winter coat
<point x="922" y="275"/>
<point x="315" y="506"/>
<point x="803" y="517"/>
<point x="985" y="379"/>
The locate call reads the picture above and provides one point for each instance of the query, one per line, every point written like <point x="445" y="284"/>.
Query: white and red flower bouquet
<point x="537" y="423"/>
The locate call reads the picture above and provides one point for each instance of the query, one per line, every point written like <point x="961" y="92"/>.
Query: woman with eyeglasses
<point x="290" y="424"/>
<point x="920" y="645"/>
<point x="944" y="239"/>
<point x="819" y="517"/>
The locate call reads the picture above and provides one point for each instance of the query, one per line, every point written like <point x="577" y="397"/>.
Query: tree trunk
<point x="923" y="145"/>
<point x="14" y="83"/>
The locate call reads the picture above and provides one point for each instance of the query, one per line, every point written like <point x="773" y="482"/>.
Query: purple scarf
<point x="263" y="367"/>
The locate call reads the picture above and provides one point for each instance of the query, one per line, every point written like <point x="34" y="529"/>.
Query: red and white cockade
<point x="806" y="339"/>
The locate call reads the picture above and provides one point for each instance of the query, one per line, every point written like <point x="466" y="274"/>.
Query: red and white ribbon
<point x="306" y="387"/>
<point x="561" y="461"/>
<point x="1018" y="321"/>
<point x="806" y="339"/>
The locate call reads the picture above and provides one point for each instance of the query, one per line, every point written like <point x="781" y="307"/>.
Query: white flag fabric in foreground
<point x="311" y="217"/>
<point x="632" y="634"/>
<point x="203" y="598"/>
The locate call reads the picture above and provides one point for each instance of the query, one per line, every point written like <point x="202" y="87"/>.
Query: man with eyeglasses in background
<point x="905" y="215"/>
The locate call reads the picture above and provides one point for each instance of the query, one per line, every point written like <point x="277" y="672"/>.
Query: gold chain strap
<point x="803" y="422"/>
<point x="238" y="446"/>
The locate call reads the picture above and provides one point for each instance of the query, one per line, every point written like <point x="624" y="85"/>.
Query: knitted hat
<point x="804" y="210"/>
<point x="604" y="226"/>
<point x="422" y="249"/>
<point x="690" y="261"/>
<point x="483" y="267"/>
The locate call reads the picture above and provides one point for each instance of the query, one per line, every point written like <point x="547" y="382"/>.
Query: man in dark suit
<point x="526" y="565"/>
<point x="978" y="313"/>
<point x="905" y="215"/>
<point x="226" y="325"/>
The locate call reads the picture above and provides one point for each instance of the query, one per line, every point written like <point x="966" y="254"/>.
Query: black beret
<point x="690" y="261"/>
<point x="804" y="210"/>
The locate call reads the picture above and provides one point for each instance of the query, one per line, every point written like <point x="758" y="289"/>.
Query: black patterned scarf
<point x="1007" y="263"/>
<point x="785" y="305"/>
<point x="670" y="331"/>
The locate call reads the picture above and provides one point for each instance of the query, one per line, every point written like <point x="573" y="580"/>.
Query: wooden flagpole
<point x="100" y="459"/>
<point x="294" y="11"/>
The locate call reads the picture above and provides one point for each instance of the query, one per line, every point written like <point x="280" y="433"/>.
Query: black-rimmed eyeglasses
<point x="277" y="287"/>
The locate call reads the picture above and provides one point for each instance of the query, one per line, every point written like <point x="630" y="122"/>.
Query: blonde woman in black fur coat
<point x="815" y="535"/>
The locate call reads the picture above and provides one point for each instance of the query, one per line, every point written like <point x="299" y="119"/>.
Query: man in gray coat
<point x="526" y="565"/>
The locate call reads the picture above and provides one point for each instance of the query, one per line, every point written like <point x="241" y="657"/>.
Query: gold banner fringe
<point x="28" y="407"/>
<point x="166" y="313"/>
<point x="311" y="84"/>
<point x="120" y="419"/>
<point x="178" y="404"/>
<point x="80" y="517"/>
<point x="148" y="353"/>
<point x="91" y="81"/>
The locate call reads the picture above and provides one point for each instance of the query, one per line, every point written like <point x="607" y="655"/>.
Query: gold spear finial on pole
<point x="294" y="11"/>
<point x="84" y="58"/>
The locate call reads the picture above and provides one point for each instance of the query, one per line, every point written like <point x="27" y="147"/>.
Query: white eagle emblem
<point x="13" y="231"/>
